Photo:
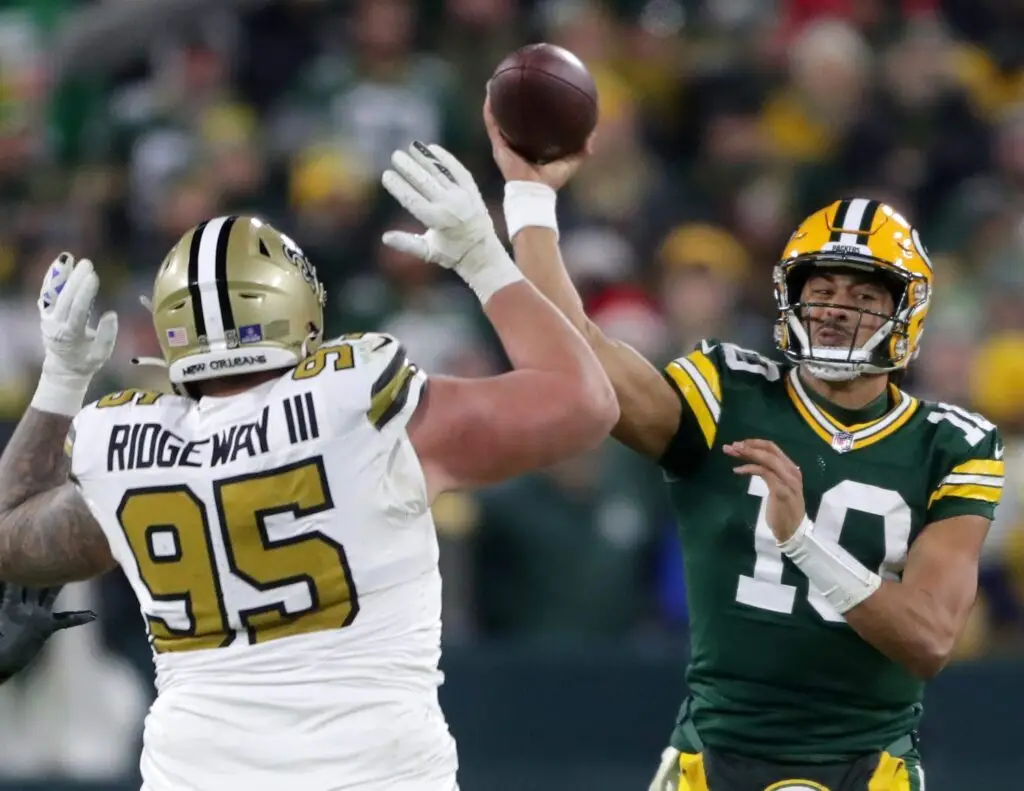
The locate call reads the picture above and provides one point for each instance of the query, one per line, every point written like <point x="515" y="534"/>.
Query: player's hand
<point x="667" y="776"/>
<point x="786" y="509"/>
<point x="514" y="168"/>
<point x="74" y="351"/>
<point x="436" y="189"/>
<point x="27" y="621"/>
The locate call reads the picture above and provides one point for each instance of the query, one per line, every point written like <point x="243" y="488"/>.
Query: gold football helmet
<point x="858" y="234"/>
<point x="234" y="296"/>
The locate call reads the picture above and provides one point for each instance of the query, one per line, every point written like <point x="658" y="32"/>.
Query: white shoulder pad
<point x="387" y="385"/>
<point x="89" y="433"/>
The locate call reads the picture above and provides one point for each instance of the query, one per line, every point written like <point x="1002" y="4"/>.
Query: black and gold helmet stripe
<point x="207" y="266"/>
<point x="853" y="220"/>
<point x="220" y="269"/>
<point x="390" y="393"/>
<point x="193" y="279"/>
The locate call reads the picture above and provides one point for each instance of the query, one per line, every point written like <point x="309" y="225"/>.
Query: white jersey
<point x="282" y="549"/>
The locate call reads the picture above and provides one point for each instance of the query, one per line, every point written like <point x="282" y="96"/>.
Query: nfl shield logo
<point x="842" y="442"/>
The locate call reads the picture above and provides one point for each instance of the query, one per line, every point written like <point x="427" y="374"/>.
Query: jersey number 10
<point x="174" y="538"/>
<point x="765" y="589"/>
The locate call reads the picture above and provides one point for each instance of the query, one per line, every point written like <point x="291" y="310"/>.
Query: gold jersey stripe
<point x="971" y="491"/>
<point x="981" y="467"/>
<point x="864" y="434"/>
<point x="708" y="371"/>
<point x="690" y="391"/>
<point x="387" y="401"/>
<point x="897" y="399"/>
<point x="891" y="429"/>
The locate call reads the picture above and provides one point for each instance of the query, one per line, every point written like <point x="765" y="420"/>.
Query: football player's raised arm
<point x="48" y="535"/>
<point x="556" y="403"/>
<point x="650" y="410"/>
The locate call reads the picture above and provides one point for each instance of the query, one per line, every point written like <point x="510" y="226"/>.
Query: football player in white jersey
<point x="272" y="515"/>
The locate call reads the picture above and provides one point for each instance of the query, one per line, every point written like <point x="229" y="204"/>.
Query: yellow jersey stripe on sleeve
<point x="706" y="414"/>
<point x="981" y="467"/>
<point x="968" y="491"/>
<point x="708" y="371"/>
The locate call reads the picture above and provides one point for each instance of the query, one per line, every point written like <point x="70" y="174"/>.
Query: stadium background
<point x="722" y="123"/>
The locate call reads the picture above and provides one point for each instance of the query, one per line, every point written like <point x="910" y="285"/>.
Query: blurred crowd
<point x="722" y="123"/>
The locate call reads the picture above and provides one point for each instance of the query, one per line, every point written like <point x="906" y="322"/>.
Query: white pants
<point x="413" y="785"/>
<point x="197" y="744"/>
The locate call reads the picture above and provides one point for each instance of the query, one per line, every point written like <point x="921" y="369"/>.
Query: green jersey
<point x="775" y="672"/>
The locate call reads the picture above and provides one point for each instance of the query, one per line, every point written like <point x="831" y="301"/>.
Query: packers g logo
<point x="796" y="785"/>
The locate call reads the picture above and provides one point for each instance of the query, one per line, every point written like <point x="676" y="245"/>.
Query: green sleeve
<point x="697" y="380"/>
<point x="969" y="476"/>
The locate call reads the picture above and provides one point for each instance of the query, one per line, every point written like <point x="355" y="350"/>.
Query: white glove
<point x="667" y="776"/>
<point x="438" y="191"/>
<point x="74" y="350"/>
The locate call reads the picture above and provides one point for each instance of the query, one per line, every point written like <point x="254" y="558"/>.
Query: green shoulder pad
<point x="703" y="379"/>
<point x="967" y="465"/>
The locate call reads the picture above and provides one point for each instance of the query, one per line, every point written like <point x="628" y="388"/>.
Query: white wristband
<point x="59" y="395"/>
<point x="842" y="579"/>
<point x="487" y="269"/>
<point x="529" y="204"/>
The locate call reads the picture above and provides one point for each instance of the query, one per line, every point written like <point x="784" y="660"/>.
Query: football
<point x="544" y="101"/>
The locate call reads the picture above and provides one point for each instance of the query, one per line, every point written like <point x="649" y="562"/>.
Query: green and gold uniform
<point x="775" y="673"/>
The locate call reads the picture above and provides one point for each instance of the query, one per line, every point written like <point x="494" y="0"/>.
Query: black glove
<point x="26" y="622"/>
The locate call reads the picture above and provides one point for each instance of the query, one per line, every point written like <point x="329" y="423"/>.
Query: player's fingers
<point x="460" y="173"/>
<point x="66" y="620"/>
<point x="776" y="485"/>
<point x="83" y="295"/>
<point x="410" y="198"/>
<point x="489" y="122"/>
<point x="72" y="287"/>
<point x="55" y="281"/>
<point x="426" y="157"/>
<point x="104" y="337"/>
<point x="11" y="594"/>
<point x="410" y="243"/>
<point x="417" y="175"/>
<point x="744" y="450"/>
<point x="47" y="596"/>
<point x="750" y="469"/>
<point x="769" y="456"/>
<point x="770" y="447"/>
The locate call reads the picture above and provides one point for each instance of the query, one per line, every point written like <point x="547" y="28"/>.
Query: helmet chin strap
<point x="838" y="370"/>
<point x="829" y="374"/>
<point x="154" y="362"/>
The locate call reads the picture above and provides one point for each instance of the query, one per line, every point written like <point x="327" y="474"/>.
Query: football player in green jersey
<point x="831" y="523"/>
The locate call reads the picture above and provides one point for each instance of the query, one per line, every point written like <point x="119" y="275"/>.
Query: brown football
<point x="544" y="102"/>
